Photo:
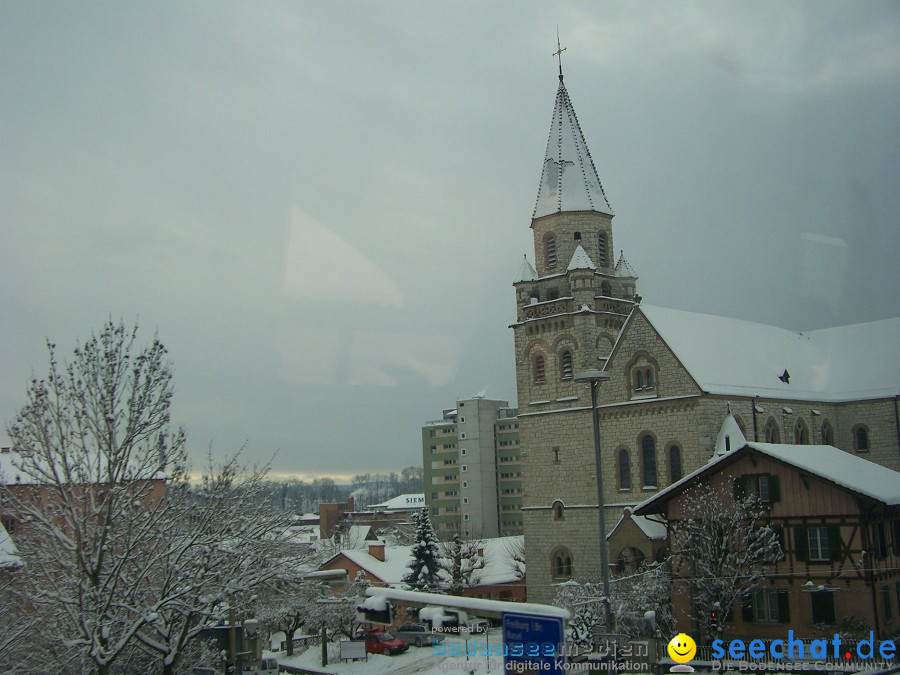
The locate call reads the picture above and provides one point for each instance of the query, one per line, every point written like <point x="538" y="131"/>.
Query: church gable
<point x="643" y="367"/>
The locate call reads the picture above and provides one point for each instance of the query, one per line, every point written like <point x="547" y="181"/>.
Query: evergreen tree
<point x="425" y="567"/>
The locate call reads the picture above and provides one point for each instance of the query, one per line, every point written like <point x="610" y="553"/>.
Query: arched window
<point x="801" y="433"/>
<point x="601" y="250"/>
<point x="648" y="460"/>
<point x="606" y="289"/>
<point x="550" y="250"/>
<point x="771" y="433"/>
<point x="639" y="380"/>
<point x="552" y="294"/>
<point x="624" y="470"/>
<point x="561" y="564"/>
<point x="566" y="365"/>
<point x="827" y="433"/>
<point x="860" y="438"/>
<point x="648" y="378"/>
<point x="540" y="369"/>
<point x="675" y="463"/>
<point x="558" y="513"/>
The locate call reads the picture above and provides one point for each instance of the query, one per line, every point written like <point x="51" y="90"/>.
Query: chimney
<point x="376" y="550"/>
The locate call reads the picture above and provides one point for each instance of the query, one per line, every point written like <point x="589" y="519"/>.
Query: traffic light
<point x="375" y="610"/>
<point x="714" y="618"/>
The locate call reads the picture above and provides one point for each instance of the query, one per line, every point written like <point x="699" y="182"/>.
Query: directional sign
<point x="534" y="640"/>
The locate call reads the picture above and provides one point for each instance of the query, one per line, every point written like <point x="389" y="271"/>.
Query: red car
<point x="379" y="641"/>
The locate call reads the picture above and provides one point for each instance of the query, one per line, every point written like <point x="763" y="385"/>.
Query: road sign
<point x="534" y="640"/>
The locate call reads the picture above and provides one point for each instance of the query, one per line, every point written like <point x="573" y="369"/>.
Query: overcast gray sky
<point x="321" y="207"/>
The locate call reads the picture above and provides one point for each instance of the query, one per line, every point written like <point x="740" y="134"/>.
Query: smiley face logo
<point x="682" y="648"/>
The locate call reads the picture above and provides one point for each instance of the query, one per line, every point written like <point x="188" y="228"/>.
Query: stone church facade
<point x="674" y="376"/>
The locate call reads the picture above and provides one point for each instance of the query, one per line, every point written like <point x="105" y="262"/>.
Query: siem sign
<point x="415" y="500"/>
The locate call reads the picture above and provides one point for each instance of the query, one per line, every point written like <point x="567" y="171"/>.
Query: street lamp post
<point x="594" y="377"/>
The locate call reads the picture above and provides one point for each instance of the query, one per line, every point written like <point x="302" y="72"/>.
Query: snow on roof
<point x="624" y="268"/>
<point x="581" y="260"/>
<point x="652" y="529"/>
<point x="407" y="502"/>
<point x="9" y="554"/>
<point x="569" y="180"/>
<point x="735" y="357"/>
<point x="839" y="467"/>
<point x="526" y="271"/>
<point x="475" y="605"/>
<point x="825" y="461"/>
<point x="499" y="568"/>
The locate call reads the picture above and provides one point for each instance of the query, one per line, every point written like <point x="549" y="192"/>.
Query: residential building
<point x="500" y="578"/>
<point x="472" y="470"/>
<point x="837" y="516"/>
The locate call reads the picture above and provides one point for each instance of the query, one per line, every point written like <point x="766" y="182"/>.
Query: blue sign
<point x="535" y="640"/>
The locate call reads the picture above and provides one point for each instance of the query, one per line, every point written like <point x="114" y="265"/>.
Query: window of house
<point x="762" y="486"/>
<point x="648" y="459"/>
<point x="550" y="251"/>
<point x="601" y="250"/>
<point x="639" y="380"/>
<point x="540" y="369"/>
<point x="556" y="454"/>
<point x="567" y="365"/>
<point x="558" y="511"/>
<point x="765" y="605"/>
<point x="464" y="467"/>
<point x="432" y="433"/>
<point x="861" y="439"/>
<point x="552" y="294"/>
<point x="624" y="470"/>
<point x="827" y="433"/>
<point x="675" y="473"/>
<point x="771" y="433"/>
<point x="648" y="378"/>
<point x="605" y="289"/>
<point x="887" y="606"/>
<point x="801" y="433"/>
<point x="818" y="543"/>
<point x="822" y="607"/>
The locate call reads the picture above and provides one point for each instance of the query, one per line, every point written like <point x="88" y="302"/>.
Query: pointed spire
<point x="581" y="260"/>
<point x="526" y="271"/>
<point x="569" y="179"/>
<point x="624" y="269"/>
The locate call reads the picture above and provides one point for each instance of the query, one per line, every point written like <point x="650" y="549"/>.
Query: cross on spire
<point x="558" y="53"/>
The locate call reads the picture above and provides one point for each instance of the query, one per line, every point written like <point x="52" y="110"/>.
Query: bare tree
<point x="463" y="559"/>
<point x="723" y="547"/>
<point x="122" y="565"/>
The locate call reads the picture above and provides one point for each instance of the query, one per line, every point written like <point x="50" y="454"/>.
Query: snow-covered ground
<point x="450" y="657"/>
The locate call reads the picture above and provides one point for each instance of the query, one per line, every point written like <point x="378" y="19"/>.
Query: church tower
<point x="570" y="307"/>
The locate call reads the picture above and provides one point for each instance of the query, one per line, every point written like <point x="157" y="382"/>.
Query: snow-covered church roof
<point x="581" y="260"/>
<point x="569" y="180"/>
<point x="624" y="268"/>
<point x="742" y="358"/>
<point x="526" y="271"/>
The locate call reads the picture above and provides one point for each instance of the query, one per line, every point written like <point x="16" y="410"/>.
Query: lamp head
<point x="592" y="375"/>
